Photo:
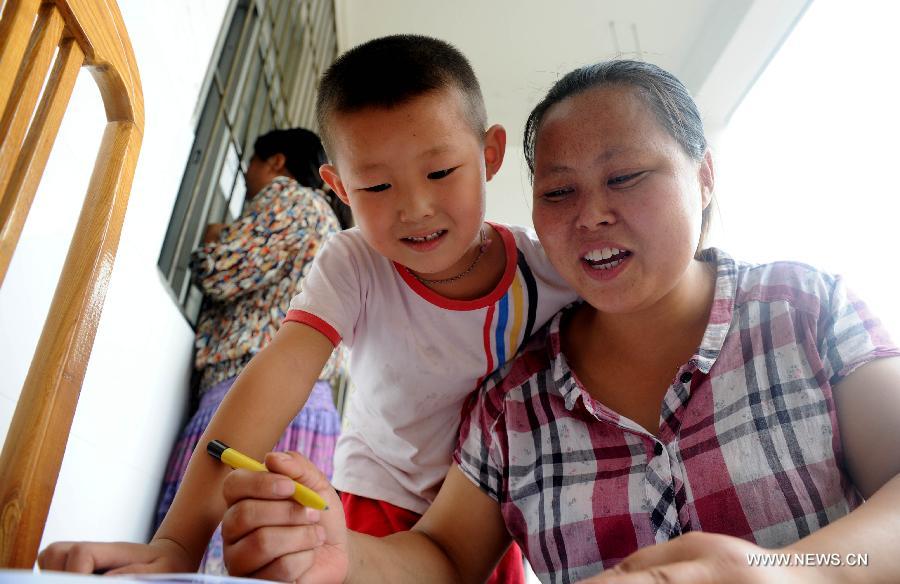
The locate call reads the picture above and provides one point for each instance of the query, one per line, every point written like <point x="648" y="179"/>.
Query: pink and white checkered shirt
<point x="748" y="442"/>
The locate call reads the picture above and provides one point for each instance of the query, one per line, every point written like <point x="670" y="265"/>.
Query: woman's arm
<point x="459" y="539"/>
<point x="263" y="400"/>
<point x="868" y="408"/>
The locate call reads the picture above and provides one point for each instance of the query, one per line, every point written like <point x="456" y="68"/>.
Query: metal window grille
<point x="264" y="76"/>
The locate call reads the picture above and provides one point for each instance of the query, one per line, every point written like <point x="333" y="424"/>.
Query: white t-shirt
<point x="415" y="355"/>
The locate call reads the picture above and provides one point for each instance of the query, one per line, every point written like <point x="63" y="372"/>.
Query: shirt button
<point x="686" y="377"/>
<point x="657" y="449"/>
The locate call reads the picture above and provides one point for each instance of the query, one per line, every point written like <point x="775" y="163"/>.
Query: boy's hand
<point x="115" y="557"/>
<point x="267" y="534"/>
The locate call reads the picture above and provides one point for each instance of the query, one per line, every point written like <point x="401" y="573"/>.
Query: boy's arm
<point x="260" y="404"/>
<point x="459" y="539"/>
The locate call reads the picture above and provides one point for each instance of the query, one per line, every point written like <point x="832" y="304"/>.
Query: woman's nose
<point x="595" y="210"/>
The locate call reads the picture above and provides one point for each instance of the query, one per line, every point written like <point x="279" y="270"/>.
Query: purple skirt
<point x="313" y="433"/>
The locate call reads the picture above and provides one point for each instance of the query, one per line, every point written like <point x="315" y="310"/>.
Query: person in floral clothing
<point x="248" y="271"/>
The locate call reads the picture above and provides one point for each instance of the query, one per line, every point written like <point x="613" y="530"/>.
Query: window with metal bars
<point x="264" y="77"/>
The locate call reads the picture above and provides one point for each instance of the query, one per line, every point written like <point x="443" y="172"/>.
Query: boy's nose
<point x="416" y="206"/>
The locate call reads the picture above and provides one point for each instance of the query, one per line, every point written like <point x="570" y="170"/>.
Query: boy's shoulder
<point x="531" y="252"/>
<point x="520" y="232"/>
<point x="525" y="238"/>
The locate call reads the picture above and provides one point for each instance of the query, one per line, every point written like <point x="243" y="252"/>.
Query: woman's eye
<point x="439" y="174"/>
<point x="625" y="179"/>
<point x="556" y="195"/>
<point x="376" y="188"/>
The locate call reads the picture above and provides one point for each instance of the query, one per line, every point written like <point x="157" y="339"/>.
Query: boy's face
<point x="415" y="176"/>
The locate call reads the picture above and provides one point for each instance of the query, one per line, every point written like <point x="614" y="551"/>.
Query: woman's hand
<point x="706" y="558"/>
<point x="160" y="555"/>
<point x="267" y="534"/>
<point x="212" y="232"/>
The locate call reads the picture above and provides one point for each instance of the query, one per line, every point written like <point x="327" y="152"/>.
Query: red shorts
<point x="379" y="519"/>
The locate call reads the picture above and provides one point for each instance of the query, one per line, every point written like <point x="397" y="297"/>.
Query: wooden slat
<point x="15" y="31"/>
<point x="28" y="82"/>
<point x="44" y="413"/>
<point x="101" y="34"/>
<point x="16" y="201"/>
<point x="34" y="446"/>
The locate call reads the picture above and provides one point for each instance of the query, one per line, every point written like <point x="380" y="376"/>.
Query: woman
<point x="248" y="271"/>
<point x="688" y="392"/>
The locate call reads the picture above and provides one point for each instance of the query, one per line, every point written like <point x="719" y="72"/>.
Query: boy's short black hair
<point x="389" y="71"/>
<point x="303" y="153"/>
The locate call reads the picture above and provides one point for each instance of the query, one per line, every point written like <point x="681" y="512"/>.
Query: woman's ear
<point x="330" y="175"/>
<point x="707" y="178"/>
<point x="278" y="163"/>
<point x="494" y="149"/>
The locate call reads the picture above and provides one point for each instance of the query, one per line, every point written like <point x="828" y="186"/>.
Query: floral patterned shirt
<point x="251" y="272"/>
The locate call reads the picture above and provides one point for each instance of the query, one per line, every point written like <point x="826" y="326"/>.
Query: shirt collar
<point x="560" y="372"/>
<point x="722" y="310"/>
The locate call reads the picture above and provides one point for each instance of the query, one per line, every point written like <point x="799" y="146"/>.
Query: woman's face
<point x="617" y="202"/>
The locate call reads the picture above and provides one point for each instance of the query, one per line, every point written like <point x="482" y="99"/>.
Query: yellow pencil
<point x="234" y="459"/>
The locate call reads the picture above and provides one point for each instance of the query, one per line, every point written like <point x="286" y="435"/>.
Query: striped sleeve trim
<point x="315" y="322"/>
<point x="531" y="287"/>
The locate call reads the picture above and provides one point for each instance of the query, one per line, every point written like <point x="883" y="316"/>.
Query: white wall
<point x="519" y="48"/>
<point x="809" y="157"/>
<point x="135" y="391"/>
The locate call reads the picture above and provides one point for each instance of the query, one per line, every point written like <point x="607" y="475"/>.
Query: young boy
<point x="429" y="297"/>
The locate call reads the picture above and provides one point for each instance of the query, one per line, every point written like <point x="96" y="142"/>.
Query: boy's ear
<point x="277" y="162"/>
<point x="329" y="174"/>
<point x="707" y="178"/>
<point x="494" y="149"/>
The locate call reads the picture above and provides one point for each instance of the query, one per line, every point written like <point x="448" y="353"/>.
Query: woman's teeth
<point x="430" y="237"/>
<point x="606" y="258"/>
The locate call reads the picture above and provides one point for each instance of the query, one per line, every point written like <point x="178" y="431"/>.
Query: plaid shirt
<point x="748" y="442"/>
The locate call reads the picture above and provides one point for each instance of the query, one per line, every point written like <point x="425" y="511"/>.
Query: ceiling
<point x="518" y="48"/>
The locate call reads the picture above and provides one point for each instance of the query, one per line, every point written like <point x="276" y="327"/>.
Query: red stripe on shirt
<point x="488" y="320"/>
<point x="315" y="322"/>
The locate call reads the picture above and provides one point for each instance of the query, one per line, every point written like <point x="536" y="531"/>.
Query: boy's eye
<point x="439" y="174"/>
<point x="625" y="180"/>
<point x="376" y="188"/>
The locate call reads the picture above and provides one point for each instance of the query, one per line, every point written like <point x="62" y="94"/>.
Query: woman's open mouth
<point x="604" y="261"/>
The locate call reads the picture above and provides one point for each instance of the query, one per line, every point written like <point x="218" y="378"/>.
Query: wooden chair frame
<point x="82" y="33"/>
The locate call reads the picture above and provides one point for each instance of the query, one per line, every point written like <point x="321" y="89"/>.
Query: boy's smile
<point x="414" y="175"/>
<point x="425" y="242"/>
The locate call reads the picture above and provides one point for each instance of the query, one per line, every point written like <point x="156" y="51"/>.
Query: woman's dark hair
<point x="302" y="149"/>
<point x="304" y="154"/>
<point x="663" y="92"/>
